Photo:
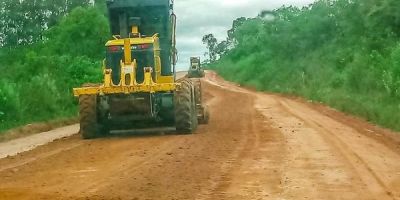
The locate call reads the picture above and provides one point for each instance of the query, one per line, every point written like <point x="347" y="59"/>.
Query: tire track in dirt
<point x="366" y="174"/>
<point x="224" y="180"/>
<point x="364" y="181"/>
<point x="313" y="169"/>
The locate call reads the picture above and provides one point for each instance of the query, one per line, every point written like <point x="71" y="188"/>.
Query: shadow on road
<point x="144" y="132"/>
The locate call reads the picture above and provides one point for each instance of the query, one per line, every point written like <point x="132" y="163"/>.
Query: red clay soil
<point x="257" y="146"/>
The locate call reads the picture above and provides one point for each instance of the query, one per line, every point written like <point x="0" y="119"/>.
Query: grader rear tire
<point x="203" y="114"/>
<point x="197" y="91"/>
<point x="90" y="127"/>
<point x="202" y="74"/>
<point x="185" y="108"/>
<point x="88" y="116"/>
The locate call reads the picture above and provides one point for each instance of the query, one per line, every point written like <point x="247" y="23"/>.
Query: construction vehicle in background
<point x="195" y="70"/>
<point x="140" y="89"/>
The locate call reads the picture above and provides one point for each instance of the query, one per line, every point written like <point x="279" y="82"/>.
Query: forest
<point x="343" y="53"/>
<point x="47" y="48"/>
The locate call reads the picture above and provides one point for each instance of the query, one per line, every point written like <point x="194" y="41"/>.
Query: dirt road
<point x="257" y="146"/>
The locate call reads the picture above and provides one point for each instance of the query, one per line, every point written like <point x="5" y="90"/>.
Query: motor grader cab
<point x="139" y="88"/>
<point x="195" y="70"/>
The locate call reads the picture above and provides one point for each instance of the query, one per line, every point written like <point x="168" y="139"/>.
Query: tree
<point x="222" y="48"/>
<point x="24" y="22"/>
<point x="211" y="43"/>
<point x="231" y="32"/>
<point x="74" y="34"/>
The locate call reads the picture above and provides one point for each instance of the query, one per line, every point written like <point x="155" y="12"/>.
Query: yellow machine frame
<point x="128" y="83"/>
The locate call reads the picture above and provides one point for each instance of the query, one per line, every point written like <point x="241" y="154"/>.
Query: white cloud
<point x="197" y="18"/>
<point x="233" y="3"/>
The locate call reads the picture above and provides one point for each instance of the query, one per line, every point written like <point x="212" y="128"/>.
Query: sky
<point x="197" y="18"/>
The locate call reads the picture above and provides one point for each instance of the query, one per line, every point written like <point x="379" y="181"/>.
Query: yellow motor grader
<point x="140" y="89"/>
<point x="195" y="69"/>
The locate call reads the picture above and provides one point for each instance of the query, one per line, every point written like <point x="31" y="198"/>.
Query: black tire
<point x="202" y="74"/>
<point x="203" y="114"/>
<point x="88" y="116"/>
<point x="90" y="127"/>
<point x="185" y="108"/>
<point x="197" y="91"/>
<point x="194" y="111"/>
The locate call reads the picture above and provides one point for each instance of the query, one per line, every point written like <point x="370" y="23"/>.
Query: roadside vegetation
<point x="343" y="53"/>
<point x="47" y="48"/>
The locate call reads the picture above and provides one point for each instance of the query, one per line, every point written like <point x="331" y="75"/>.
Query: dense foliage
<point x="23" y="22"/>
<point x="345" y="53"/>
<point x="40" y="68"/>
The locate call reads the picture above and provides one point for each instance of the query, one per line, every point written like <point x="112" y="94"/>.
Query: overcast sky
<point x="197" y="18"/>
